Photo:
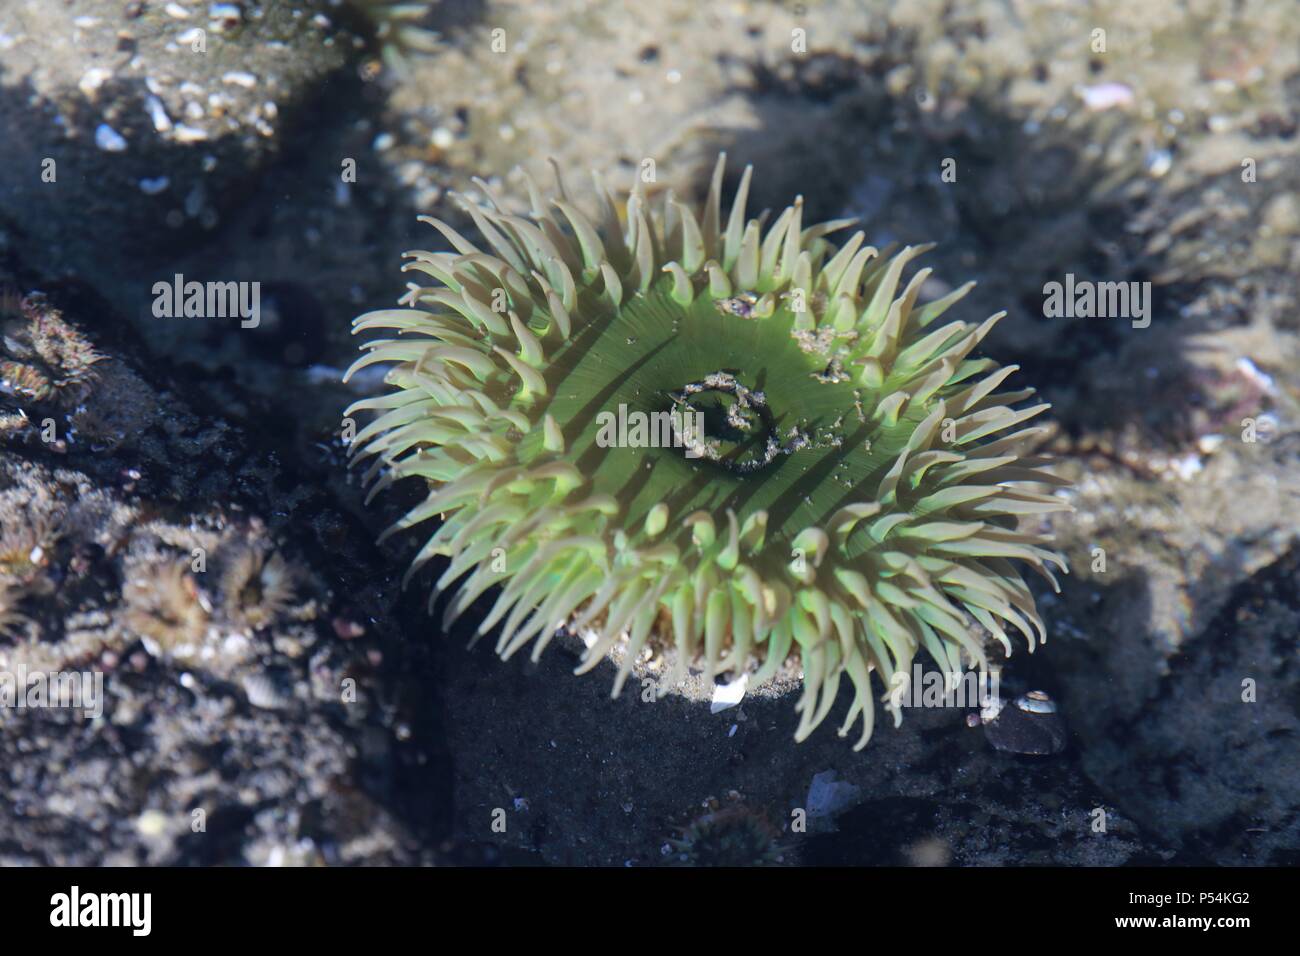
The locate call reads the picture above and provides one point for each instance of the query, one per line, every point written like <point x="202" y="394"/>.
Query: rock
<point x="102" y="105"/>
<point x="169" y="567"/>
<point x="1208" y="760"/>
<point x="225" y="697"/>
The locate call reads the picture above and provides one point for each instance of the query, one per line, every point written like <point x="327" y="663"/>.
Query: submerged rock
<point x="171" y="688"/>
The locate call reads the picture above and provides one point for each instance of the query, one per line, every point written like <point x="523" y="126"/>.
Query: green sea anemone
<point x="854" y="494"/>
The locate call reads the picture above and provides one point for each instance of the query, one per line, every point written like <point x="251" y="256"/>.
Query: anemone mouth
<point x="723" y="421"/>
<point x="743" y="446"/>
<point x="760" y="429"/>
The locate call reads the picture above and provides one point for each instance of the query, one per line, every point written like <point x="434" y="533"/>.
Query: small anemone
<point x="257" y="587"/>
<point x="44" y="358"/>
<point x="13" y="622"/>
<point x="395" y="27"/>
<point x="731" y="836"/>
<point x="713" y="437"/>
<point x="164" y="607"/>
<point x="26" y="541"/>
<point x="97" y="428"/>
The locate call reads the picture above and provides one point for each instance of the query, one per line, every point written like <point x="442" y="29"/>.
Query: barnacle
<point x="257" y="587"/>
<point x="854" y="495"/>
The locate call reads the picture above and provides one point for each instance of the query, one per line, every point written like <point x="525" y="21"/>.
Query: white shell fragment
<point x="1105" y="96"/>
<point x="1036" y="702"/>
<point x="728" y="695"/>
<point x="93" y="79"/>
<point x="109" y="139"/>
<point x="1031" y="726"/>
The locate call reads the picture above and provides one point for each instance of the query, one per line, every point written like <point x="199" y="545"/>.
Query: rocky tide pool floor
<point x="290" y="696"/>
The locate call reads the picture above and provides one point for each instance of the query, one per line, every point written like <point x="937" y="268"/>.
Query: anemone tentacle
<point x="854" y="496"/>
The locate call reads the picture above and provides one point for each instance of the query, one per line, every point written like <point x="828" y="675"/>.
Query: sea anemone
<point x="732" y="835"/>
<point x="27" y="537"/>
<point x="43" y="358"/>
<point x="164" y="608"/>
<point x="855" y="493"/>
<point x="395" y="27"/>
<point x="257" y="587"/>
<point x="13" y="622"/>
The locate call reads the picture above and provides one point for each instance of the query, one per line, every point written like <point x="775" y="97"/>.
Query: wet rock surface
<point x="137" y="126"/>
<point x="1207" y="759"/>
<point x="1128" y="164"/>
<point x="249" y="710"/>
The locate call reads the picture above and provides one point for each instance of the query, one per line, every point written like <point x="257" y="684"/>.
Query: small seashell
<point x="1159" y="162"/>
<point x="93" y="79"/>
<point x="239" y="78"/>
<point x="189" y="134"/>
<point x="157" y="114"/>
<point x="224" y="16"/>
<point x="1036" y="702"/>
<point x="1104" y="96"/>
<point x="109" y="139"/>
<point x="1031" y="726"/>
<point x="266" y="691"/>
<point x="348" y="629"/>
<point x="728" y="695"/>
